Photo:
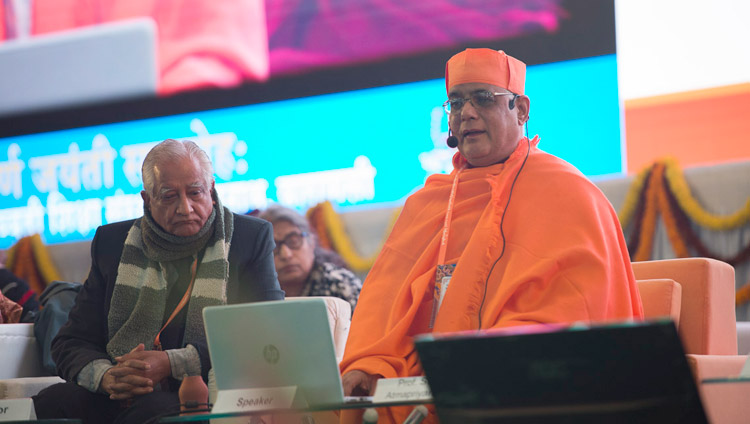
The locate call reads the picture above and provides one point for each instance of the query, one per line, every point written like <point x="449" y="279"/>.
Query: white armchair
<point x="340" y="319"/>
<point x="21" y="372"/>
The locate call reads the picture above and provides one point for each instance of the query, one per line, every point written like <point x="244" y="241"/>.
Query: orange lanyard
<point x="185" y="299"/>
<point x="447" y="222"/>
<point x="438" y="288"/>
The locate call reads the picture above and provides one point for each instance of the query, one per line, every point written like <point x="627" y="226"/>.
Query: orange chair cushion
<point x="707" y="317"/>
<point x="662" y="298"/>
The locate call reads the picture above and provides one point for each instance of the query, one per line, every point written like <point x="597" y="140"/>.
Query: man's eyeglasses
<point x="292" y="240"/>
<point x="479" y="99"/>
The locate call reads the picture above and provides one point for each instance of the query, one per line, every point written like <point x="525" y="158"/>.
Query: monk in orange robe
<point x="513" y="236"/>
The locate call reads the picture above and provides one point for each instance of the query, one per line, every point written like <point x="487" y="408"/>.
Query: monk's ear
<point x="523" y="105"/>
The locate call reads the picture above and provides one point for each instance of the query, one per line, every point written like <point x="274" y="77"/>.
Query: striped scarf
<point x="146" y="269"/>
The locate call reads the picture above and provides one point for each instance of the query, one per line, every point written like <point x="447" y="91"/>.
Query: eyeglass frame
<point x="446" y="104"/>
<point x="285" y="242"/>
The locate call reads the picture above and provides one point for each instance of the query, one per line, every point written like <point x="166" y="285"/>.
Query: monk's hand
<point x="359" y="383"/>
<point x="151" y="364"/>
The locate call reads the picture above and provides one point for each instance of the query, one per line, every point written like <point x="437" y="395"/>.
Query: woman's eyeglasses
<point x="292" y="240"/>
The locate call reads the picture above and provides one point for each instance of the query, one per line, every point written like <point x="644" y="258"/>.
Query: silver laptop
<point x="275" y="344"/>
<point x="98" y="63"/>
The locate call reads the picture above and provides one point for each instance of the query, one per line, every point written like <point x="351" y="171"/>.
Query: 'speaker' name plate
<point x="17" y="409"/>
<point x="248" y="400"/>
<point x="409" y="389"/>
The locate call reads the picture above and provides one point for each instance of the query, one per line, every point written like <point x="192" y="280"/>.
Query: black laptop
<point x="624" y="373"/>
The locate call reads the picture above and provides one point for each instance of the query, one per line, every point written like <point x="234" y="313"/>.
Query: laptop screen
<point x="275" y="344"/>
<point x="636" y="371"/>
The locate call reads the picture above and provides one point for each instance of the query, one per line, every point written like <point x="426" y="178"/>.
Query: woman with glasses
<point x="305" y="268"/>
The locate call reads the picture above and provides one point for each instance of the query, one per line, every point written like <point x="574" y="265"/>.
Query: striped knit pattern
<point x="138" y="301"/>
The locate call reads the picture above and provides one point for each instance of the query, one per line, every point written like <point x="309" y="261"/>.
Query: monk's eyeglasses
<point x="292" y="240"/>
<point x="478" y="99"/>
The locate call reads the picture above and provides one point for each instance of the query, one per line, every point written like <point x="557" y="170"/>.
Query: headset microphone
<point x="512" y="102"/>
<point x="452" y="140"/>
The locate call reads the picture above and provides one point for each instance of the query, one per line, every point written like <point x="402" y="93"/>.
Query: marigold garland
<point x="702" y="217"/>
<point x="743" y="295"/>
<point x="315" y="217"/>
<point x="648" y="225"/>
<point x="28" y="259"/>
<point x="635" y="237"/>
<point x="633" y="197"/>
<point x="340" y="241"/>
<point x="21" y="264"/>
<point x="43" y="260"/>
<point x="668" y="217"/>
<point x="659" y="198"/>
<point x="639" y="200"/>
<point x="686" y="229"/>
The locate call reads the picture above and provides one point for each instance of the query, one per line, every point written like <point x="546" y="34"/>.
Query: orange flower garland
<point x="21" y="264"/>
<point x="639" y="211"/>
<point x="657" y="197"/>
<point x="648" y="223"/>
<point x="317" y="222"/>
<point x="743" y="295"/>
<point x="668" y="216"/>
<point x="685" y="228"/>
<point x="333" y="233"/>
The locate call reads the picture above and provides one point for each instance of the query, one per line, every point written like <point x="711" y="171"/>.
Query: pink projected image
<point x="306" y="34"/>
<point x="224" y="43"/>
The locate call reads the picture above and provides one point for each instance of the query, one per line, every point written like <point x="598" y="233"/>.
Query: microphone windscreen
<point x="370" y="416"/>
<point x="452" y="141"/>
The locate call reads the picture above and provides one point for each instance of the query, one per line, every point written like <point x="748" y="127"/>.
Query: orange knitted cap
<point x="486" y="66"/>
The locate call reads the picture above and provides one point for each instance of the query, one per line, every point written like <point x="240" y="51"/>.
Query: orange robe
<point x="565" y="260"/>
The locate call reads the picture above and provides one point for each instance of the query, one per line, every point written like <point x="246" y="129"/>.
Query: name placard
<point x="248" y="400"/>
<point x="17" y="409"/>
<point x="409" y="389"/>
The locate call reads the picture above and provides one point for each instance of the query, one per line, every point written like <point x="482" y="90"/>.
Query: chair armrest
<point x="19" y="352"/>
<point x="724" y="403"/>
<point x="707" y="316"/>
<point x="340" y="319"/>
<point x="14" y="388"/>
<point x="715" y="366"/>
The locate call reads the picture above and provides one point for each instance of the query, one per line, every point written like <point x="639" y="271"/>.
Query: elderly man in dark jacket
<point x="137" y="327"/>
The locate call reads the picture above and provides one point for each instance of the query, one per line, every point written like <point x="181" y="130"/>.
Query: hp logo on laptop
<point x="271" y="354"/>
